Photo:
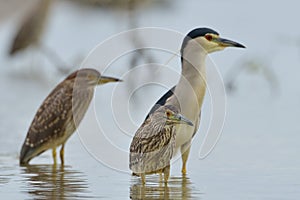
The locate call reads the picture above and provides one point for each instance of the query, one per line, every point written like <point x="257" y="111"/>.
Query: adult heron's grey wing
<point x="161" y="101"/>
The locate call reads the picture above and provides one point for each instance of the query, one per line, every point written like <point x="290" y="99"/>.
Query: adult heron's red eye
<point x="208" y="37"/>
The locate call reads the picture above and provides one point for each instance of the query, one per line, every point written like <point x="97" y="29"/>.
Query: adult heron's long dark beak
<point x="228" y="43"/>
<point x="106" y="79"/>
<point x="182" y="120"/>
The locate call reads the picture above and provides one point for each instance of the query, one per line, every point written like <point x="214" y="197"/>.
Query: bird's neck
<point x="193" y="68"/>
<point x="191" y="88"/>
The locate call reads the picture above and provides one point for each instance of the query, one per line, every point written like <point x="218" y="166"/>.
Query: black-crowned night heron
<point x="188" y="94"/>
<point x="153" y="144"/>
<point x="60" y="114"/>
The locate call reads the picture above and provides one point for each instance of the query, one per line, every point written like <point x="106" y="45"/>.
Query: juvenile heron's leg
<point x="54" y="155"/>
<point x="143" y="178"/>
<point x="62" y="152"/>
<point x="160" y="176"/>
<point x="166" y="172"/>
<point x="185" y="151"/>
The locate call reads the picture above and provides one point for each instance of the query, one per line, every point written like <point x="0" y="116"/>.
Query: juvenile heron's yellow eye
<point x="90" y="77"/>
<point x="168" y="113"/>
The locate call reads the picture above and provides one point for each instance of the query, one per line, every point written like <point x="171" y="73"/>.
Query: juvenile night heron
<point x="188" y="94"/>
<point x="60" y="114"/>
<point x="153" y="145"/>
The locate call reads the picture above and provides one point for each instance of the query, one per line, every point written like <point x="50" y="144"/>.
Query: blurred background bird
<point x="189" y="93"/>
<point x="30" y="33"/>
<point x="60" y="114"/>
<point x="32" y="27"/>
<point x="153" y="145"/>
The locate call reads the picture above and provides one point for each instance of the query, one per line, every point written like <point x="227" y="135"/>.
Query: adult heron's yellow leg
<point x="54" y="155"/>
<point x="185" y="151"/>
<point x="61" y="153"/>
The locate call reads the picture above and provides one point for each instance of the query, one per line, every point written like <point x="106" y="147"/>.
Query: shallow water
<point x="46" y="181"/>
<point x="49" y="181"/>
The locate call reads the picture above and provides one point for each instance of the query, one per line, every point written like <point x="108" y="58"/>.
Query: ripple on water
<point x="7" y="168"/>
<point x="177" y="188"/>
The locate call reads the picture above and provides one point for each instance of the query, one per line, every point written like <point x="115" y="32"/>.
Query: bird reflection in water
<point x="177" y="188"/>
<point x="55" y="182"/>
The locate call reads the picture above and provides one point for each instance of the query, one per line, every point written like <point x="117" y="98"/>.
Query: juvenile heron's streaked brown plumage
<point x="60" y="113"/>
<point x="153" y="145"/>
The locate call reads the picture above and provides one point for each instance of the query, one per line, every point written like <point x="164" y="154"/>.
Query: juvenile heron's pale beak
<point x="228" y="43"/>
<point x="182" y="120"/>
<point x="106" y="79"/>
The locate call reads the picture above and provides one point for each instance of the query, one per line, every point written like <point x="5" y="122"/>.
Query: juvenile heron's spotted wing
<point x="50" y="119"/>
<point x="151" y="148"/>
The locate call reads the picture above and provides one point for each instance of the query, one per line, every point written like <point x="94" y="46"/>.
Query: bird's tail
<point x="24" y="158"/>
<point x="27" y="153"/>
